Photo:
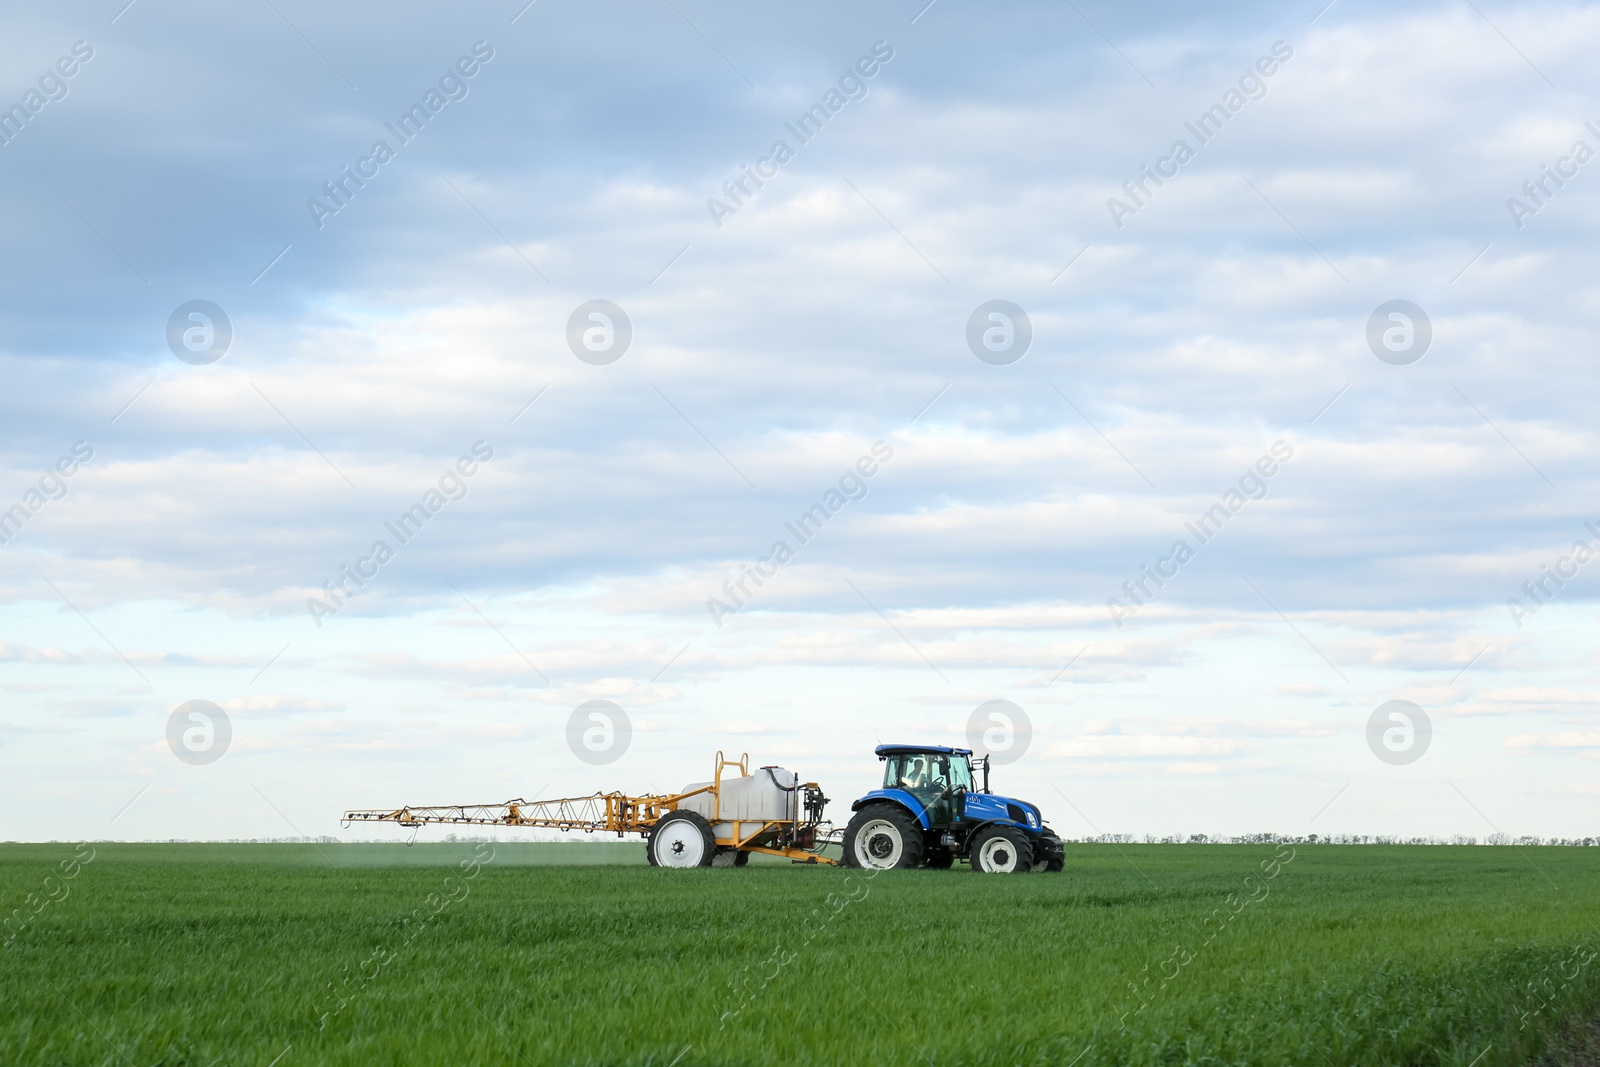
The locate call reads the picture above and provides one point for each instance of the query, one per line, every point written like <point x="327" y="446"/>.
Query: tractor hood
<point x="982" y="807"/>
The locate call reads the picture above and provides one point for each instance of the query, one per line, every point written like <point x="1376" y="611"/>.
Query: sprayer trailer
<point x="709" y="824"/>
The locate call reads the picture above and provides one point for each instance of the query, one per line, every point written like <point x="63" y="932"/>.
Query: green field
<point x="581" y="954"/>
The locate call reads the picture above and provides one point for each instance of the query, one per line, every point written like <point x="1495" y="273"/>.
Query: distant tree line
<point x="1328" y="839"/>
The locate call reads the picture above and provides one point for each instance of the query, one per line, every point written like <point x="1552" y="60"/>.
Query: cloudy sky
<point x="362" y="344"/>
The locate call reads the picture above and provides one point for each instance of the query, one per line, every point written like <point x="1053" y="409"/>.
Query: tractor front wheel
<point x="1002" y="850"/>
<point x="882" y="836"/>
<point x="1049" y="854"/>
<point x="681" y="839"/>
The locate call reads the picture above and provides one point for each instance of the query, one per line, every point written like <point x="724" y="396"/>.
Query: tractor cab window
<point x="960" y="773"/>
<point x="904" y="771"/>
<point x="927" y="774"/>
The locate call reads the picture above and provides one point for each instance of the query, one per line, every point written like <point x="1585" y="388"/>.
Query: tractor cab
<point x="939" y="779"/>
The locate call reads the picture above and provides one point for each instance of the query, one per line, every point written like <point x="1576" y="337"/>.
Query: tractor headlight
<point x="1033" y="819"/>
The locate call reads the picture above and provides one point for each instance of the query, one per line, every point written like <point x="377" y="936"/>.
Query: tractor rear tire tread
<point x="911" y="843"/>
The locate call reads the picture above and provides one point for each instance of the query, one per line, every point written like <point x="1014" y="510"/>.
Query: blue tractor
<point x="929" y="813"/>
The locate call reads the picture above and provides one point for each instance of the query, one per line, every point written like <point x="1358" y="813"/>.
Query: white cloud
<point x="777" y="349"/>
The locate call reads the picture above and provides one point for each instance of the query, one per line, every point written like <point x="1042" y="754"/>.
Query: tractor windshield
<point x="960" y="773"/>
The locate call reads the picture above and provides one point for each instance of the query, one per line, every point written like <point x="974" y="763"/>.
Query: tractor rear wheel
<point x="1002" y="850"/>
<point x="882" y="836"/>
<point x="681" y="839"/>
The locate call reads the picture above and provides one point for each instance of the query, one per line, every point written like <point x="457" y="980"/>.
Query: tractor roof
<point x="903" y="750"/>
